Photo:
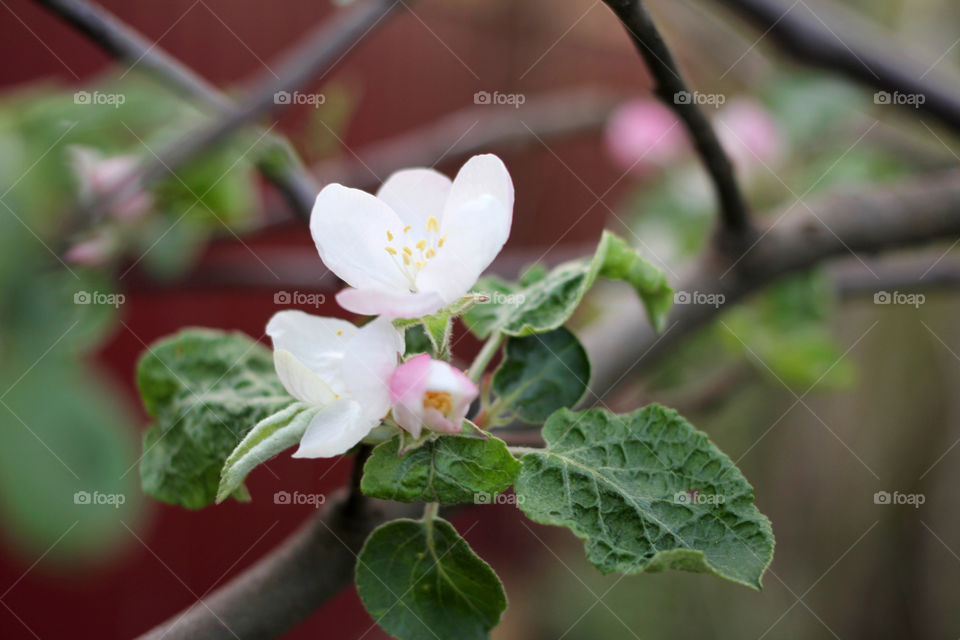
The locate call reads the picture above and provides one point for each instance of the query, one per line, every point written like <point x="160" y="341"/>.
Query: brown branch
<point x="316" y="56"/>
<point x="810" y="42"/>
<point x="866" y="222"/>
<point x="673" y="91"/>
<point x="288" y="584"/>
<point x="130" y="47"/>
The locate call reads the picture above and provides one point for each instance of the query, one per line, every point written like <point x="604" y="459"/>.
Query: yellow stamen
<point x="441" y="241"/>
<point x="339" y="332"/>
<point x="407" y="251"/>
<point x="391" y="251"/>
<point x="389" y="236"/>
<point x="419" y="265"/>
<point x="407" y="228"/>
<point x="422" y="245"/>
<point x="430" y="253"/>
<point x="406" y="259"/>
<point x="432" y="224"/>
<point x="442" y="401"/>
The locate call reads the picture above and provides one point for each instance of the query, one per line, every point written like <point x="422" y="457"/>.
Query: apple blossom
<point x="420" y="243"/>
<point x="330" y="363"/>
<point x="749" y="134"/>
<point x="644" y="133"/>
<point x="98" y="176"/>
<point x="430" y="393"/>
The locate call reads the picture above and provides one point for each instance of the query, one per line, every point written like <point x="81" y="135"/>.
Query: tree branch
<point x="812" y="43"/>
<point x="734" y="212"/>
<point x="130" y="47"/>
<point x="868" y="221"/>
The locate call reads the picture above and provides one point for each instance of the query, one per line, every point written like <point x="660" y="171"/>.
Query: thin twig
<point x="804" y="35"/>
<point x="130" y="47"/>
<point x="674" y="92"/>
<point x="319" y="53"/>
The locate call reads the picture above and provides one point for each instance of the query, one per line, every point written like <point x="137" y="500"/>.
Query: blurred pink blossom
<point x="93" y="251"/>
<point x="642" y="134"/>
<point x="749" y="134"/>
<point x="98" y="176"/>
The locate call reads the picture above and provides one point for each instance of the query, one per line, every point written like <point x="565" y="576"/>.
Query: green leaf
<point x="437" y="328"/>
<point x="269" y="437"/>
<point x="421" y="580"/>
<point x="205" y="389"/>
<point x="449" y="469"/>
<point x="542" y="373"/>
<point x="646" y="492"/>
<point x="546" y="300"/>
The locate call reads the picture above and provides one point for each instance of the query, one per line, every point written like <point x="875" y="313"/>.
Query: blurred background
<point x="824" y="393"/>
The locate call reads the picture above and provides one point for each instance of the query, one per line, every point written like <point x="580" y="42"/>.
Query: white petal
<point x="481" y="175"/>
<point x="299" y="381"/>
<point x="368" y="364"/>
<point x="401" y="304"/>
<point x="474" y="235"/>
<point x="334" y="430"/>
<point x="318" y="343"/>
<point x="350" y="229"/>
<point x="415" y="195"/>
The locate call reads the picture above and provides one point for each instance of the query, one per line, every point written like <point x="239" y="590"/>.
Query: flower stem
<point x="490" y="349"/>
<point x="430" y="511"/>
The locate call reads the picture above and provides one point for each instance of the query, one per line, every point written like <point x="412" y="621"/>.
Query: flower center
<point x="411" y="255"/>
<point x="442" y="401"/>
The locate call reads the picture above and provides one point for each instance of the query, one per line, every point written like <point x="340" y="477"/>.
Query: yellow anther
<point x="432" y="224"/>
<point x="389" y="235"/>
<point x="441" y="241"/>
<point x="391" y="251"/>
<point x="407" y="250"/>
<point x="430" y="253"/>
<point x="442" y="401"/>
<point x="407" y="228"/>
<point x="406" y="259"/>
<point x="422" y="244"/>
<point x="339" y="332"/>
<point x="419" y="265"/>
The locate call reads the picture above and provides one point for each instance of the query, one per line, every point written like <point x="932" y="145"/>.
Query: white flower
<point x="330" y="363"/>
<point x="420" y="243"/>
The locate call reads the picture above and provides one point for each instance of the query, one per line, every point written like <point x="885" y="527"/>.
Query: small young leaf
<point x="646" y="492"/>
<point x="205" y="389"/>
<point x="269" y="437"/>
<point x="449" y="469"/>
<point x="422" y="580"/>
<point x="542" y="373"/>
<point x="546" y="300"/>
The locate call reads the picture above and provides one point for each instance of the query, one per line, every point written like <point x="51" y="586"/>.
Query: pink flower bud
<point x="749" y="134"/>
<point x="644" y="133"/>
<point x="93" y="251"/>
<point x="98" y="176"/>
<point x="430" y="393"/>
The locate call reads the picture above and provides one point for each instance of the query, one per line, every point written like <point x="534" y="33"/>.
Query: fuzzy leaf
<point x="269" y="437"/>
<point x="205" y="390"/>
<point x="448" y="469"/>
<point x="542" y="373"/>
<point x="544" y="301"/>
<point x="420" y="580"/>
<point x="646" y="492"/>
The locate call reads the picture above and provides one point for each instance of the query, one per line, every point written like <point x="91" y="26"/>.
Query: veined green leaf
<point x="646" y="492"/>
<point x="422" y="580"/>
